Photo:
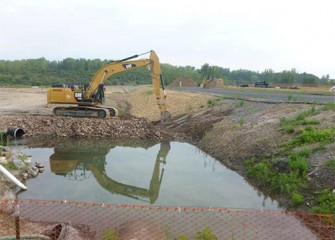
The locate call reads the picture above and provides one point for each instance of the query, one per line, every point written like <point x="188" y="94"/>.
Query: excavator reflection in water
<point x="76" y="163"/>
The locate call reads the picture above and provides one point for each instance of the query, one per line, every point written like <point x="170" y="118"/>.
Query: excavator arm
<point x="111" y="69"/>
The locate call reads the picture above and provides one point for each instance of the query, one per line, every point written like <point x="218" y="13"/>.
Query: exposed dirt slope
<point x="143" y="103"/>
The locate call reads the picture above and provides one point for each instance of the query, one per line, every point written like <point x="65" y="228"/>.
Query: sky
<point x="240" y="34"/>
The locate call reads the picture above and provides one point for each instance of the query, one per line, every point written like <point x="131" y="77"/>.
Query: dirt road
<point x="280" y="97"/>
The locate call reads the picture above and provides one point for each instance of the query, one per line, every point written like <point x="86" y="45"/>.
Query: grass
<point x="205" y="234"/>
<point x="23" y="157"/>
<point x="289" y="177"/>
<point x="213" y="101"/>
<point x="11" y="165"/>
<point x="330" y="164"/>
<point x="283" y="177"/>
<point x="312" y="135"/>
<point x="328" y="107"/>
<point x="148" y="92"/>
<point x="324" y="203"/>
<point x="288" y="181"/>
<point x="3" y="139"/>
<point x="303" y="90"/>
<point x="308" y="134"/>
<point x="110" y="234"/>
<point x="241" y="121"/>
<point x="297" y="199"/>
<point x="289" y="125"/>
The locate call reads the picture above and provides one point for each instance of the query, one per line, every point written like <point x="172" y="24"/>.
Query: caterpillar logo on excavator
<point x="89" y="100"/>
<point x="128" y="66"/>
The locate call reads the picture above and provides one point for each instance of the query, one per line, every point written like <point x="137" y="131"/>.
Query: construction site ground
<point x="230" y="130"/>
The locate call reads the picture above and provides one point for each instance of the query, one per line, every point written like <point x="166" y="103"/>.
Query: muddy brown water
<point x="147" y="173"/>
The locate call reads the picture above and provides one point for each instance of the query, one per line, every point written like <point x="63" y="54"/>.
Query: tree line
<point x="41" y="72"/>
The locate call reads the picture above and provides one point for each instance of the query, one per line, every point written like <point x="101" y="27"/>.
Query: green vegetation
<point x="330" y="106"/>
<point x="313" y="135"/>
<point x="11" y="165"/>
<point x="182" y="237"/>
<point x="241" y="121"/>
<point x="205" y="234"/>
<point x="281" y="177"/>
<point x="330" y="164"/>
<point x="42" y="72"/>
<point x="148" y="92"/>
<point x="213" y="101"/>
<point x="288" y="125"/>
<point x="297" y="199"/>
<point x="3" y="139"/>
<point x="324" y="203"/>
<point x="289" y="176"/>
<point x="110" y="234"/>
<point x="23" y="157"/>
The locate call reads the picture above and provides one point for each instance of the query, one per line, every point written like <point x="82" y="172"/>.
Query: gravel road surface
<point x="266" y="96"/>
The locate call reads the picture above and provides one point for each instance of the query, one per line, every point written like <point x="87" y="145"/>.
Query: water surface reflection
<point x="78" y="164"/>
<point x="132" y="172"/>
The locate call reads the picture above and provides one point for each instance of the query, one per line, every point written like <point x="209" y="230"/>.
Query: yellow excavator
<point x="89" y="100"/>
<point x="77" y="164"/>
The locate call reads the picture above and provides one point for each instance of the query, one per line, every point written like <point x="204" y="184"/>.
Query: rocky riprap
<point x="54" y="127"/>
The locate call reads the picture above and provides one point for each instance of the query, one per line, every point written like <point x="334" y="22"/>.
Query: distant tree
<point x="205" y="71"/>
<point x="288" y="77"/>
<point x="208" y="72"/>
<point x="309" y="79"/>
<point x="80" y="71"/>
<point x="268" y="75"/>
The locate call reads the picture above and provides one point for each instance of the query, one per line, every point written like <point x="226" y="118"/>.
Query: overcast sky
<point x="238" y="34"/>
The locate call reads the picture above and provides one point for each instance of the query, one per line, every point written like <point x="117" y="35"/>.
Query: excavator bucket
<point x="165" y="116"/>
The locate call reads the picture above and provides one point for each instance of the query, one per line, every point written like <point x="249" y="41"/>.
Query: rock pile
<point x="51" y="127"/>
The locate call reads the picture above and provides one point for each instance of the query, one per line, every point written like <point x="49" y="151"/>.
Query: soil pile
<point x="183" y="82"/>
<point x="215" y="83"/>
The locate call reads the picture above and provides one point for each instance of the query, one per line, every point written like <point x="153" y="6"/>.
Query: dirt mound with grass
<point x="183" y="82"/>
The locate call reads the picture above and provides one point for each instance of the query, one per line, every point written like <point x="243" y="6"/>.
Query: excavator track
<point x="85" y="111"/>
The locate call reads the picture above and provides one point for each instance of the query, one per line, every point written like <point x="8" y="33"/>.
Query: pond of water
<point x="162" y="174"/>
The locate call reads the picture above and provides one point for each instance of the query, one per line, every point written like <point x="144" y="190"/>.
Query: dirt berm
<point x="231" y="131"/>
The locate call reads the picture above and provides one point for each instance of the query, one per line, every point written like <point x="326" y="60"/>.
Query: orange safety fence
<point x="81" y="220"/>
